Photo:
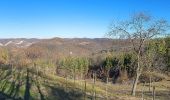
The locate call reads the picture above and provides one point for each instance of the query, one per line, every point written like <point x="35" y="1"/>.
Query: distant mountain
<point x="79" y="46"/>
<point x="18" y="42"/>
<point x="68" y="46"/>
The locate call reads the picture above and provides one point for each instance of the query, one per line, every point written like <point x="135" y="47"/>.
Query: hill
<point x="74" y="46"/>
<point x="17" y="42"/>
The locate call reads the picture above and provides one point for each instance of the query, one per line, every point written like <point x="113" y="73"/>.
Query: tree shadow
<point x="18" y="85"/>
<point x="9" y="87"/>
<point x="4" y="96"/>
<point x="27" y="86"/>
<point x="16" y="92"/>
<point x="40" y="92"/>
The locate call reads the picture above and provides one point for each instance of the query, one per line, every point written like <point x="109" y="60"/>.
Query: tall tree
<point x="138" y="29"/>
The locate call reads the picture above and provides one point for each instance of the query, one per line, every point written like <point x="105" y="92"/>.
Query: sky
<point x="71" y="18"/>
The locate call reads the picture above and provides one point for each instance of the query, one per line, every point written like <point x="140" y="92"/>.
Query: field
<point x="45" y="86"/>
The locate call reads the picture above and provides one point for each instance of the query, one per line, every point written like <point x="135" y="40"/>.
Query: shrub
<point x="155" y="76"/>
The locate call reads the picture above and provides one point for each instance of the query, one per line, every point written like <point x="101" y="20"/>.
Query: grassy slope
<point x="52" y="87"/>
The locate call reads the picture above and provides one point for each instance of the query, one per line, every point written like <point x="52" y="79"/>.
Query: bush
<point x="123" y="78"/>
<point x="155" y="76"/>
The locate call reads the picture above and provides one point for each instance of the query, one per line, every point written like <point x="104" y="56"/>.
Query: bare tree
<point x="138" y="29"/>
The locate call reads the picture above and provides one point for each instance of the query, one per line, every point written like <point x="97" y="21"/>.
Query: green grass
<point x="53" y="87"/>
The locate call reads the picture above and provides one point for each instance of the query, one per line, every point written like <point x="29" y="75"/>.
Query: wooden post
<point x="74" y="76"/>
<point x="153" y="94"/>
<point x="94" y="82"/>
<point x="84" y="89"/>
<point x="150" y="83"/>
<point x="106" y="87"/>
<point x="66" y="83"/>
<point x="143" y="90"/>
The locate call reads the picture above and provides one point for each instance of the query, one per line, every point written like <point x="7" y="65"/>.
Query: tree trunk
<point x="137" y="77"/>
<point x="135" y="85"/>
<point x="150" y="82"/>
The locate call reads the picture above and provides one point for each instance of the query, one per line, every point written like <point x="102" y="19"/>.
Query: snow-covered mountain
<point x="19" y="43"/>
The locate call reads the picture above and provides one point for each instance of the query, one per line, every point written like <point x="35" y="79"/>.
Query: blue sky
<point x="70" y="18"/>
